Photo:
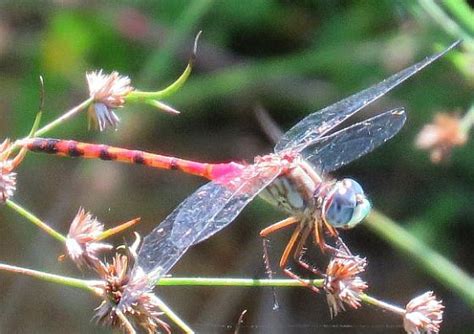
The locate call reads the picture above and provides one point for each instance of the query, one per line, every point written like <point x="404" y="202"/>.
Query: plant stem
<point x="135" y="96"/>
<point x="383" y="305"/>
<point x="58" y="121"/>
<point x="24" y="212"/>
<point x="443" y="20"/>
<point x="438" y="266"/>
<point x="174" y="317"/>
<point x="241" y="282"/>
<point x="52" y="278"/>
<point x="64" y="117"/>
<point x="462" y="12"/>
<point x="91" y="285"/>
<point x="35" y="220"/>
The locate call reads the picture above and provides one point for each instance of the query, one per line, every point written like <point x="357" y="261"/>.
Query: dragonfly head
<point x="346" y="205"/>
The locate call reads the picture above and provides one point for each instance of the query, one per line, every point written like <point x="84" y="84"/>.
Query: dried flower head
<point x="7" y="176"/>
<point x="129" y="300"/>
<point x="82" y="240"/>
<point x="342" y="285"/>
<point x="108" y="92"/>
<point x="441" y="136"/>
<point x="423" y="314"/>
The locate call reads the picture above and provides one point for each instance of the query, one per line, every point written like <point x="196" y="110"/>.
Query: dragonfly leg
<point x="286" y="253"/>
<point x="331" y="229"/>
<point x="278" y="226"/>
<point x="319" y="237"/>
<point x="341" y="251"/>
<point x="266" y="242"/>
<point x="300" y="251"/>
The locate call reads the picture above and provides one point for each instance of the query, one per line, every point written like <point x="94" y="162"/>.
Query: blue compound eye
<point x="342" y="205"/>
<point x="348" y="206"/>
<point x="353" y="185"/>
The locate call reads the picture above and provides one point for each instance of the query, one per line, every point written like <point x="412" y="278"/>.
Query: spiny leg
<point x="319" y="238"/>
<point x="286" y="253"/>
<point x="266" y="243"/>
<point x="344" y="251"/>
<point x="325" y="248"/>
<point x="300" y="251"/>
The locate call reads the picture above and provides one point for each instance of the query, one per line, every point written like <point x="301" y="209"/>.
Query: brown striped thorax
<point x="301" y="191"/>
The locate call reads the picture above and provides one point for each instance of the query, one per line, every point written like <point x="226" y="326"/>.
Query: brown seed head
<point x="342" y="285"/>
<point x="7" y="176"/>
<point x="109" y="92"/>
<point x="82" y="245"/>
<point x="109" y="89"/>
<point x="423" y="314"/>
<point x="129" y="293"/>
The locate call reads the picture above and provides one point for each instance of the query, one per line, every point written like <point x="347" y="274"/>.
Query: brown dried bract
<point x="441" y="136"/>
<point x="342" y="285"/>
<point x="129" y="300"/>
<point x="423" y="314"/>
<point x="108" y="92"/>
<point x="82" y="245"/>
<point x="7" y="176"/>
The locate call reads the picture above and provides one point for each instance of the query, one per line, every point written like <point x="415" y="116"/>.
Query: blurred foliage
<point x="292" y="57"/>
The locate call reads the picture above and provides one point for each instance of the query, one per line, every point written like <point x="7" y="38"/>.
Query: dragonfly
<point x="293" y="178"/>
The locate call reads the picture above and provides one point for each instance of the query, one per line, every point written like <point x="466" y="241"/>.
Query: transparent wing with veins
<point x="217" y="204"/>
<point x="344" y="146"/>
<point x="321" y="122"/>
<point x="207" y="211"/>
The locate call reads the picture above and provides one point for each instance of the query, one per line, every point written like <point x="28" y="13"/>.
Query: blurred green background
<point x="292" y="58"/>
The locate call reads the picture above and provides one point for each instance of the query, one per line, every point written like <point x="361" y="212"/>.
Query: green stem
<point x="462" y="12"/>
<point x="52" y="125"/>
<point x="92" y="285"/>
<point x="241" y="282"/>
<point x="64" y="117"/>
<point x="383" y="305"/>
<point x="60" y="120"/>
<point x="441" y="268"/>
<point x="174" y="317"/>
<point x="35" y="220"/>
<point x="88" y="285"/>
<point x="135" y="96"/>
<point x="443" y="20"/>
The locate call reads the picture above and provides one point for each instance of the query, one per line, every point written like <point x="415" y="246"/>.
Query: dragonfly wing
<point x="216" y="204"/>
<point x="340" y="148"/>
<point x="159" y="252"/>
<point x="208" y="210"/>
<point x="319" y="123"/>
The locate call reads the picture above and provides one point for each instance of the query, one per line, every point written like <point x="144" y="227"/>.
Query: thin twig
<point x="35" y="220"/>
<point x="174" y="317"/>
<point x="64" y="117"/>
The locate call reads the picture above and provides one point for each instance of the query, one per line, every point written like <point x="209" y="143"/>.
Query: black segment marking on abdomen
<point x="138" y="158"/>
<point x="73" y="151"/>
<point x="105" y="154"/>
<point x="47" y="146"/>
<point x="173" y="164"/>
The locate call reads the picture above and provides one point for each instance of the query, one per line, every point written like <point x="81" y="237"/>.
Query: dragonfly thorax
<point x="300" y="191"/>
<point x="293" y="191"/>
